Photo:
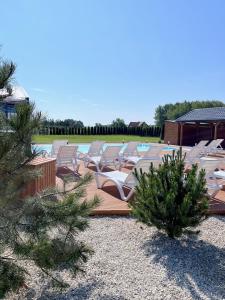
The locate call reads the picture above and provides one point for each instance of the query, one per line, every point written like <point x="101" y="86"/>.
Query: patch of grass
<point x="48" y="139"/>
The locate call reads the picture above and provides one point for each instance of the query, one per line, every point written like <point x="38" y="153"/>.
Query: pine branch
<point x="44" y="228"/>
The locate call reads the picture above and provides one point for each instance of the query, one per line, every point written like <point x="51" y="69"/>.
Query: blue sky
<point x="96" y="60"/>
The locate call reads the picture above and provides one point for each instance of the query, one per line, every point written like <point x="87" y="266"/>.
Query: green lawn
<point x="47" y="139"/>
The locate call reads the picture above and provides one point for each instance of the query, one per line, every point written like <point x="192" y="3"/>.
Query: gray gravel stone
<point x="132" y="261"/>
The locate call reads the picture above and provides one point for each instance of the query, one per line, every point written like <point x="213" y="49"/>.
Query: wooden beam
<point x="181" y="133"/>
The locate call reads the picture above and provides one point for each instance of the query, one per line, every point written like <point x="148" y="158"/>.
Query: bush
<point x="170" y="199"/>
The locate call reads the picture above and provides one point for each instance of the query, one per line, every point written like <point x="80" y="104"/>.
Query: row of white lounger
<point x="114" y="156"/>
<point x="100" y="157"/>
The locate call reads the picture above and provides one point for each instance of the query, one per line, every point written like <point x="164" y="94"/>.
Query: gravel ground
<point x="132" y="261"/>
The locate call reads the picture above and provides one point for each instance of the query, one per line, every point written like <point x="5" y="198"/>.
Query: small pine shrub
<point x="170" y="199"/>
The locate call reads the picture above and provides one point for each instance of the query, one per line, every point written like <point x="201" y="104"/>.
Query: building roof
<point x="18" y="94"/>
<point x="136" y="124"/>
<point x="203" y="115"/>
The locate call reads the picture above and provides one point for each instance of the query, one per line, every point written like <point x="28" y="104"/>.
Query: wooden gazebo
<point x="196" y="125"/>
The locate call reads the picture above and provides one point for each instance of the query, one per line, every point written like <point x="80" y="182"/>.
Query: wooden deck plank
<point x="111" y="204"/>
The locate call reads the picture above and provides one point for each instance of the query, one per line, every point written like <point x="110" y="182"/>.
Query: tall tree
<point x="42" y="229"/>
<point x="66" y="122"/>
<point x="118" y="123"/>
<point x="7" y="69"/>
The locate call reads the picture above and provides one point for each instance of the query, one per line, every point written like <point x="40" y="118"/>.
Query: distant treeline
<point x="65" y="123"/>
<point x="101" y="130"/>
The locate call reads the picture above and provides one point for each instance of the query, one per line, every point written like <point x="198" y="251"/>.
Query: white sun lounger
<point x="153" y="153"/>
<point x="212" y="175"/>
<point x="201" y="144"/>
<point x="67" y="155"/>
<point x="96" y="149"/>
<point x="131" y="149"/>
<point x="122" y="179"/>
<point x="56" y="145"/>
<point x="110" y="157"/>
<point x="193" y="156"/>
<point x="214" y="146"/>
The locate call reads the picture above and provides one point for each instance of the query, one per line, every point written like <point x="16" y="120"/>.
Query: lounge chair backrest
<point x="111" y="153"/>
<point x="67" y="153"/>
<point x="214" y="144"/>
<point x="153" y="152"/>
<point x="195" y="153"/>
<point x="131" y="149"/>
<point x="142" y="165"/>
<point x="96" y="148"/>
<point x="201" y="144"/>
<point x="56" y="145"/>
<point x="219" y="142"/>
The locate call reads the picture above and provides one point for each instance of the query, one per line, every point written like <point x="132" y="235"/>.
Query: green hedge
<point x="154" y="131"/>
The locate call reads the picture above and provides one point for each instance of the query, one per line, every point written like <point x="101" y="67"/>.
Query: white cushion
<point x="95" y="159"/>
<point x="220" y="174"/>
<point x="115" y="175"/>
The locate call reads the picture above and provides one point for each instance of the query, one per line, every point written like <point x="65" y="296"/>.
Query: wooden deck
<point x="217" y="205"/>
<point x="111" y="204"/>
<point x="109" y="196"/>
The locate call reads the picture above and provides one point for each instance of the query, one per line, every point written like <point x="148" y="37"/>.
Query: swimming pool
<point x="83" y="148"/>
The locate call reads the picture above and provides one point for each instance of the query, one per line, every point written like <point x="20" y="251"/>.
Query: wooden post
<point x="197" y="132"/>
<point x="212" y="130"/>
<point x="215" y="130"/>
<point x="181" y="133"/>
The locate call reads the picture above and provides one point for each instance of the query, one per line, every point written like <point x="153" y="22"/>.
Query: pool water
<point x="83" y="148"/>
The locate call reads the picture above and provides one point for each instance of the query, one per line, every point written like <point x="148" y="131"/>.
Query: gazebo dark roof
<point x="203" y="115"/>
